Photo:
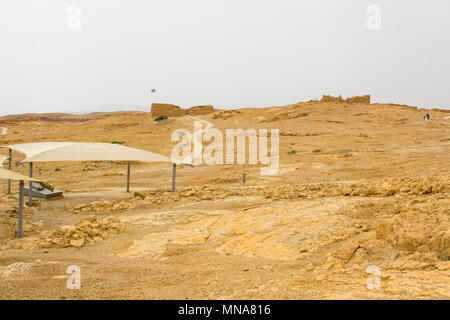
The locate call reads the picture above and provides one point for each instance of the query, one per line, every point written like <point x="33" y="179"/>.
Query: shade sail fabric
<point x="11" y="175"/>
<point x="84" y="151"/>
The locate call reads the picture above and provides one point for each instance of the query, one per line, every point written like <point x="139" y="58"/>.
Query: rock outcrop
<point x="89" y="229"/>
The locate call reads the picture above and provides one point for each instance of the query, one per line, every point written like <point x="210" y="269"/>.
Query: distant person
<point x="428" y="116"/>
<point x="424" y="117"/>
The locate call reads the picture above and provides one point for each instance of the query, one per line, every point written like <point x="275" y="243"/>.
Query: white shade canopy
<point x="11" y="175"/>
<point x="84" y="151"/>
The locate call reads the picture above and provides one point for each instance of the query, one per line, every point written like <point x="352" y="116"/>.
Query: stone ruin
<point x="357" y="99"/>
<point x="170" y="110"/>
<point x="326" y="98"/>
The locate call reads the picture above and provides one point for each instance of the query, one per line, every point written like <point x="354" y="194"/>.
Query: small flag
<point x="153" y="90"/>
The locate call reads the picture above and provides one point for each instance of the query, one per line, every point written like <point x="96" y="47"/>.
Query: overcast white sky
<point x="229" y="53"/>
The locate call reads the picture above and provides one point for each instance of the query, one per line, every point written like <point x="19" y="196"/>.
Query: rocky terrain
<point x="362" y="191"/>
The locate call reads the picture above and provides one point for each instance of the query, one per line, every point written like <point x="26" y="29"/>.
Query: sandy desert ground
<point x="359" y="185"/>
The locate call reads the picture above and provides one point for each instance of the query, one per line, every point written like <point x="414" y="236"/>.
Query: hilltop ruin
<point x="170" y="110"/>
<point x="357" y="99"/>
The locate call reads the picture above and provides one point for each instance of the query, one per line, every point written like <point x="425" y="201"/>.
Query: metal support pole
<point x="174" y="172"/>
<point x="30" y="186"/>
<point x="243" y="177"/>
<point x="9" y="167"/>
<point x="20" y="222"/>
<point x="128" y="176"/>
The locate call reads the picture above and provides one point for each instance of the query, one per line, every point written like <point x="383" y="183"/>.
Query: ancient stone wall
<point x="326" y="98"/>
<point x="170" y="110"/>
<point x="199" y="110"/>
<point x="357" y="99"/>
